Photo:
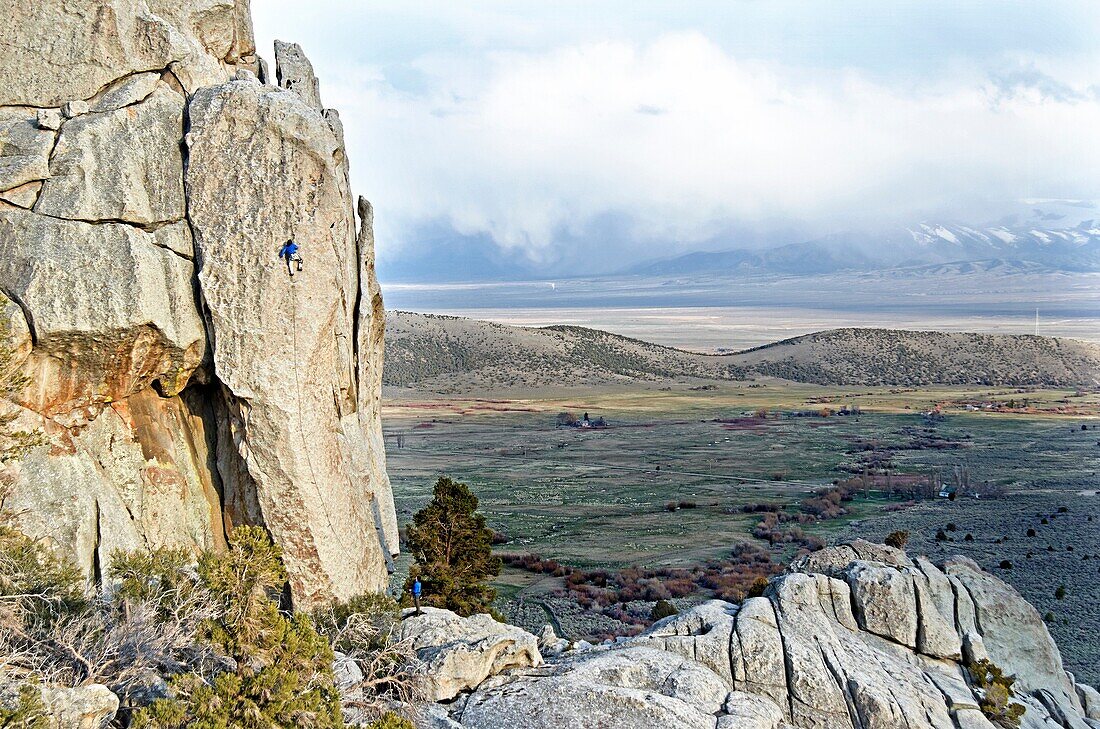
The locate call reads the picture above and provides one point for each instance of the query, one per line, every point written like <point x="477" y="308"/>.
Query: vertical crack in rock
<point x="97" y="559"/>
<point x="842" y="684"/>
<point x="788" y="666"/>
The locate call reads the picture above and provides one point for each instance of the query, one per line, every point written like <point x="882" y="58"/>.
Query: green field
<point x="598" y="497"/>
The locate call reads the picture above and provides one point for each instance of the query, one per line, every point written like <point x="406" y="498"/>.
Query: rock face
<point x="185" y="382"/>
<point x="833" y="644"/>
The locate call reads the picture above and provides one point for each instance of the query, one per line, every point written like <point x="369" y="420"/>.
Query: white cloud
<point x="532" y="124"/>
<point x="682" y="139"/>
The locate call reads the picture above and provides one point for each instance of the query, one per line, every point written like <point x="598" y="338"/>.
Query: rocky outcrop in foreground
<point x="150" y="169"/>
<point x="853" y="637"/>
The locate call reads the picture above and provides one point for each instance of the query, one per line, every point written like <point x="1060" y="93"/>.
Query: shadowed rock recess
<point x="149" y="173"/>
<point x="856" y="636"/>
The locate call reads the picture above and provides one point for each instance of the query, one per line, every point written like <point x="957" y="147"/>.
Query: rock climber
<point x="289" y="251"/>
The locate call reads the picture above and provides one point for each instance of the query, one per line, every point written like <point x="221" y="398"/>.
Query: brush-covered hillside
<point x="451" y="354"/>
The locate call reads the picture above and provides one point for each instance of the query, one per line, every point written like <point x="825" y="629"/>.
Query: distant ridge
<point x="452" y="354"/>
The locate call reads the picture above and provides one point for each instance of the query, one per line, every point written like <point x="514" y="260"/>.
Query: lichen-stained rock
<point x="24" y="148"/>
<point x="262" y="169"/>
<point x="1013" y="634"/>
<point x="83" y="707"/>
<point x="460" y="653"/>
<point x="122" y="165"/>
<point x="112" y="309"/>
<point x="139" y="475"/>
<point x="64" y="50"/>
<point x="295" y="72"/>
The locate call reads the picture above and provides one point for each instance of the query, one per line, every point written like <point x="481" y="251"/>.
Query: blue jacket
<point x="288" y="249"/>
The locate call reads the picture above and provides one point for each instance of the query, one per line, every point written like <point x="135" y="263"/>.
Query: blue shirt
<point x="416" y="587"/>
<point x="288" y="249"/>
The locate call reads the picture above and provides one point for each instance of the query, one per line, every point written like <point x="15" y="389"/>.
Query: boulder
<point x="49" y="119"/>
<point x="1013" y="634"/>
<point x="549" y="642"/>
<point x="83" y="707"/>
<point x="701" y="633"/>
<point x="1090" y="700"/>
<point x="262" y="169"/>
<point x="798" y="657"/>
<point x="75" y="108"/>
<point x="834" y="560"/>
<point x="460" y="653"/>
<point x="121" y="165"/>
<point x="749" y="711"/>
<point x="626" y="688"/>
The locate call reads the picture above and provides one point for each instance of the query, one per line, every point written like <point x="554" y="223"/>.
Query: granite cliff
<point x="151" y="166"/>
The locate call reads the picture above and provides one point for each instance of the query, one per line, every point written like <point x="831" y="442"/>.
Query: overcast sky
<point x="644" y="128"/>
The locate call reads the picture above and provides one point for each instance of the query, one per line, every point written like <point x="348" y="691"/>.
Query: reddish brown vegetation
<point x="606" y="590"/>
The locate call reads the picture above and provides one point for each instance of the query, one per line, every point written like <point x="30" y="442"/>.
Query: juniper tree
<point x="453" y="551"/>
<point x="281" y="669"/>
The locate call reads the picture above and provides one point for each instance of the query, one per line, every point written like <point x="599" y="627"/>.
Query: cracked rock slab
<point x="121" y="165"/>
<point x="126" y="91"/>
<point x="24" y="148"/>
<point x="111" y="308"/>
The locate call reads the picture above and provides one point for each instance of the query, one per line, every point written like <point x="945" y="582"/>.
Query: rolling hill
<point x="453" y="354"/>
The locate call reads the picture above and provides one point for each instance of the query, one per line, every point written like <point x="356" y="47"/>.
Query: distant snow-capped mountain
<point x="1010" y="245"/>
<point x="1076" y="248"/>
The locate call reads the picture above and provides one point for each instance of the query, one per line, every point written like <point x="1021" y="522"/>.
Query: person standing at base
<point x="416" y="594"/>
